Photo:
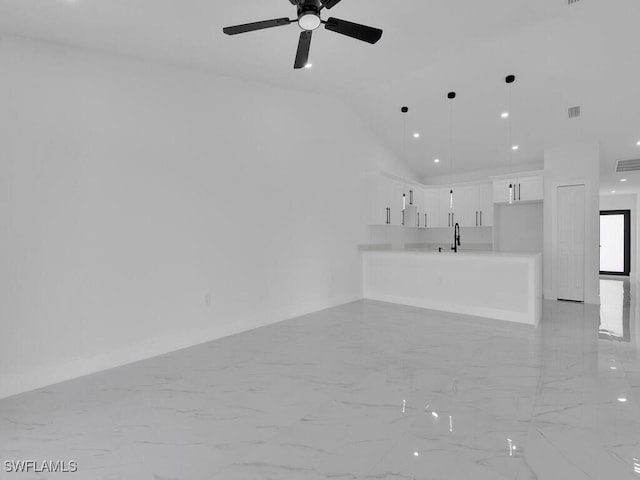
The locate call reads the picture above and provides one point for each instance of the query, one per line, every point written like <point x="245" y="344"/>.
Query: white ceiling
<point x="586" y="54"/>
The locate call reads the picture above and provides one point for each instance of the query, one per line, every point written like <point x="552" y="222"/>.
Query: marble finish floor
<point x="365" y="391"/>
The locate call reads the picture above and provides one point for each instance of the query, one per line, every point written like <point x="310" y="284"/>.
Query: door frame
<point x="627" y="241"/>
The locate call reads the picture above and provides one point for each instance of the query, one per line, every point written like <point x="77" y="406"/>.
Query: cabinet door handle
<point x="402" y="217"/>
<point x="449" y="221"/>
<point x="476" y="218"/>
<point x="425" y="220"/>
<point x="453" y="219"/>
<point x="388" y="215"/>
<point x="410" y="197"/>
<point x="480" y="217"/>
<point x="519" y="191"/>
<point x="418" y="219"/>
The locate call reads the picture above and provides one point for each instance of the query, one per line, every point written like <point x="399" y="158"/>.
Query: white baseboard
<point x="20" y="382"/>
<point x="526" y="318"/>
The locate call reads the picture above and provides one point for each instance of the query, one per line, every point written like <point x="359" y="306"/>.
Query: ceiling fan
<point x="309" y="19"/>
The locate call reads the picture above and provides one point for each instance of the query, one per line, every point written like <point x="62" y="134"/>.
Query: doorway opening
<point x="615" y="242"/>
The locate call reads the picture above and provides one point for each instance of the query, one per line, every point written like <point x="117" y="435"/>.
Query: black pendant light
<point x="451" y="96"/>
<point x="509" y="80"/>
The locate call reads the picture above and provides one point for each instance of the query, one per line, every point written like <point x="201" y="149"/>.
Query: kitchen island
<point x="502" y="286"/>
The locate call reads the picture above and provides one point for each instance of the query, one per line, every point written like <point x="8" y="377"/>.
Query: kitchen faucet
<point x="456" y="238"/>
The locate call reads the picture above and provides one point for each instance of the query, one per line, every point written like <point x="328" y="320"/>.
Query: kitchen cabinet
<point x="445" y="214"/>
<point x="394" y="202"/>
<point x="412" y="195"/>
<point x="397" y="203"/>
<point x="385" y="200"/>
<point x="525" y="189"/>
<point x="378" y="199"/>
<point x="530" y="189"/>
<point x="419" y="201"/>
<point x="465" y="205"/>
<point x="485" y="205"/>
<point x="431" y="208"/>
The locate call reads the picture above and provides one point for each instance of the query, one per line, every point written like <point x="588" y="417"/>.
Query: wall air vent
<point x="574" y="112"/>
<point x="627" y="165"/>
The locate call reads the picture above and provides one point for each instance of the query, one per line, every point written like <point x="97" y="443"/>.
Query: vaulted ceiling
<point x="586" y="53"/>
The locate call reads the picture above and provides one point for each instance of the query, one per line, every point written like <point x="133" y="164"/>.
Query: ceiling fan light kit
<point x="309" y="19"/>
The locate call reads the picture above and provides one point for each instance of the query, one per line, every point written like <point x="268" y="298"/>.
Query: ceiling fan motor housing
<point x="309" y="14"/>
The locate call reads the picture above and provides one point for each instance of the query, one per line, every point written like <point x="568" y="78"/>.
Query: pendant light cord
<point x="404" y="136"/>
<point x="510" y="145"/>
<point x="451" y="150"/>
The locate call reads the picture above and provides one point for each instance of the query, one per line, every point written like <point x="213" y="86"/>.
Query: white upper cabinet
<point x="377" y="204"/>
<point x="431" y="208"/>
<point x="485" y="205"/>
<point x="397" y="203"/>
<point x="525" y="188"/>
<point x="465" y="205"/>
<point x="419" y="202"/>
<point x="501" y="190"/>
<point x="384" y="201"/>
<point x="391" y="201"/>
<point x="530" y="188"/>
<point x="473" y="205"/>
<point x="445" y="213"/>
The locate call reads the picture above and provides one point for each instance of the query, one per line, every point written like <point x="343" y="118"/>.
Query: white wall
<point x="625" y="202"/>
<point x="482" y="175"/>
<point x="131" y="190"/>
<point x="519" y="228"/>
<point x="571" y="165"/>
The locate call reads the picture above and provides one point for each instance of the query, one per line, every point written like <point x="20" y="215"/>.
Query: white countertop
<point x="468" y="253"/>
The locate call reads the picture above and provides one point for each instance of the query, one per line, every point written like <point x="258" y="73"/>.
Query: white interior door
<point x="571" y="242"/>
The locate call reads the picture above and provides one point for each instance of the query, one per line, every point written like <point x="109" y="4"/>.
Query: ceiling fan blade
<point x="302" y="57"/>
<point x="250" y="27"/>
<point x="354" y="30"/>
<point x="329" y="3"/>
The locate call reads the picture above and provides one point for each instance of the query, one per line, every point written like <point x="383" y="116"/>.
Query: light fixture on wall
<point x="451" y="96"/>
<point x="509" y="80"/>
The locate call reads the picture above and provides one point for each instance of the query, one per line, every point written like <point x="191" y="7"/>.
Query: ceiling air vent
<point x="571" y="2"/>
<point x="627" y="165"/>
<point x="574" y="112"/>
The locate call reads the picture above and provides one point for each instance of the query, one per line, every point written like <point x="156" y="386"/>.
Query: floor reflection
<point x="615" y="309"/>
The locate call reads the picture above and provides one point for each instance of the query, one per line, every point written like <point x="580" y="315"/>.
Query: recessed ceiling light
<point x="515" y="147"/>
<point x="505" y="115"/>
<point x="613" y="191"/>
<point x="437" y="160"/>
<point x="622" y="400"/>
<point x="308" y="65"/>
<point x="416" y="135"/>
<point x="613" y="368"/>
<point x="638" y="143"/>
<point x="416" y="454"/>
<point x="434" y="414"/>
<point x="623" y="179"/>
